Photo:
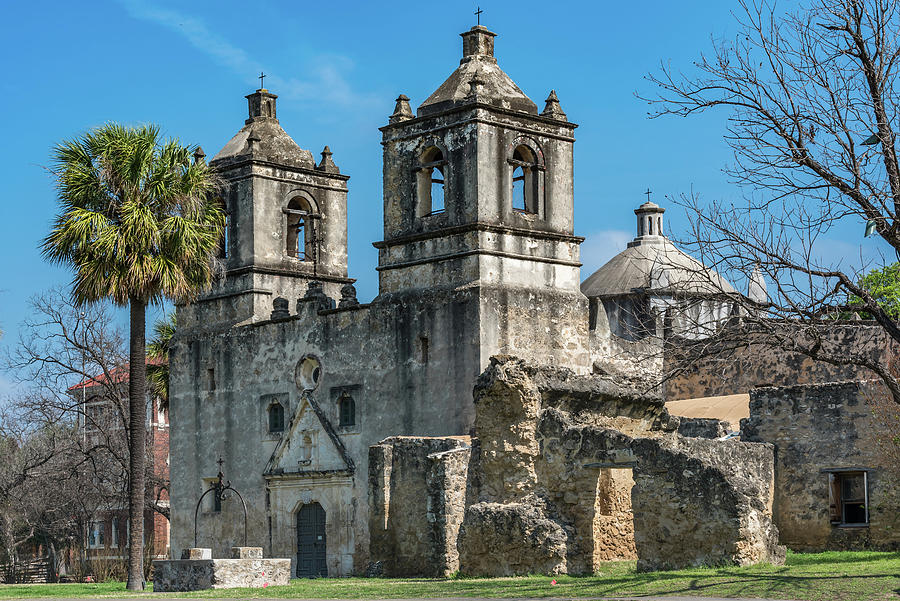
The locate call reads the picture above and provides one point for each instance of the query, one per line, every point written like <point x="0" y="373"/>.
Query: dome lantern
<point x="649" y="224"/>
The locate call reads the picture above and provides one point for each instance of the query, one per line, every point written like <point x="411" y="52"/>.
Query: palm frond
<point x="136" y="220"/>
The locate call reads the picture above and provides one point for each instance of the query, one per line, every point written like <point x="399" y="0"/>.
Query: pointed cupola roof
<point x="478" y="78"/>
<point x="262" y="137"/>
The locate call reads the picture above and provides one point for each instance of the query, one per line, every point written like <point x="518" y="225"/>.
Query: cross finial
<point x="648" y="193"/>
<point x="262" y="76"/>
<point x="220" y="462"/>
<point x="478" y="15"/>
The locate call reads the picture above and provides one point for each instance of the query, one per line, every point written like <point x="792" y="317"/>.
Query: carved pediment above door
<point x="310" y="447"/>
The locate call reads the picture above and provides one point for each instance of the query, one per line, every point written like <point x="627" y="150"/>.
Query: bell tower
<point x="478" y="185"/>
<point x="286" y="222"/>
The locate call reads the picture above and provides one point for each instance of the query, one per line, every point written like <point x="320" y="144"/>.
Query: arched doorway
<point x="311" y="541"/>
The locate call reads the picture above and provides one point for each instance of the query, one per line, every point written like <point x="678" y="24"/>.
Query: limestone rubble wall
<point x="699" y="501"/>
<point x="738" y="370"/>
<point x="566" y="472"/>
<point x="417" y="494"/>
<point x="817" y="428"/>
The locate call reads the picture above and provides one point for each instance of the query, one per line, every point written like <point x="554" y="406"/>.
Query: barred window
<point x="346" y="410"/>
<point x="276" y="418"/>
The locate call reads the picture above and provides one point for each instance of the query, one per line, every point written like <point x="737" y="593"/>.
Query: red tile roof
<point x="118" y="375"/>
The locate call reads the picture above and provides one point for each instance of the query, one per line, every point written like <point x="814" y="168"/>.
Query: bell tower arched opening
<point x="526" y="188"/>
<point x="431" y="182"/>
<point x="301" y="234"/>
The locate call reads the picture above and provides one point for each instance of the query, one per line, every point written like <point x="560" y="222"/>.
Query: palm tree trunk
<point x="137" y="433"/>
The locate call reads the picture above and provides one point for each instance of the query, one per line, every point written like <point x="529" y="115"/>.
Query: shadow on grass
<point x="723" y="582"/>
<point x="737" y="584"/>
<point x="833" y="557"/>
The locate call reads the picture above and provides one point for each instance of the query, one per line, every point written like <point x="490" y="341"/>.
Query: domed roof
<point x="660" y="267"/>
<point x="479" y="74"/>
<point x="652" y="263"/>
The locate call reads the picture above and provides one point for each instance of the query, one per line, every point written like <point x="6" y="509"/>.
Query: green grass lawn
<point x="831" y="576"/>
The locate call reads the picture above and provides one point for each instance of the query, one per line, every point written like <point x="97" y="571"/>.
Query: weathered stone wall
<point x="703" y="427"/>
<point x="703" y="502"/>
<point x="181" y="575"/>
<point x="692" y="504"/>
<point x="739" y="371"/>
<point x="626" y="359"/>
<point x="222" y="384"/>
<point x="446" y="486"/>
<point x="549" y="443"/>
<point x="824" y="427"/>
<point x="417" y="493"/>
<point x="569" y="471"/>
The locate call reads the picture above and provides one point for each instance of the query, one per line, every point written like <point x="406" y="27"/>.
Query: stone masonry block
<point x="246" y="553"/>
<point x="196" y="553"/>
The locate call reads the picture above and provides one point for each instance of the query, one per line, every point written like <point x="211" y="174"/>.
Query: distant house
<point x="101" y="417"/>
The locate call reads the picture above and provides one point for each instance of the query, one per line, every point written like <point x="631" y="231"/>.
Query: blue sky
<point x="337" y="68"/>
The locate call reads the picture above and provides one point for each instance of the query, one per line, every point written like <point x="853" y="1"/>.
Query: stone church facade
<point x="291" y="398"/>
<point x="279" y="371"/>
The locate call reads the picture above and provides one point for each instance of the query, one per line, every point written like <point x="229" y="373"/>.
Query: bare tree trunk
<point x="137" y="412"/>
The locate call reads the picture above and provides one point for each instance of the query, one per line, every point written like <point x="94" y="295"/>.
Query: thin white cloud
<point x="601" y="246"/>
<point x="328" y="81"/>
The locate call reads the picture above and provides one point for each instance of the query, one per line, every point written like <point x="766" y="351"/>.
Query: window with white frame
<point x="96" y="535"/>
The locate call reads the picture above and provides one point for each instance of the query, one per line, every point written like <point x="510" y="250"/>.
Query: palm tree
<point x="137" y="225"/>
<point x="158" y="352"/>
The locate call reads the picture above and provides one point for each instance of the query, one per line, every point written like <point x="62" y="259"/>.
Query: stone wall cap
<point x="196" y="553"/>
<point x="795" y="388"/>
<point x="246" y="552"/>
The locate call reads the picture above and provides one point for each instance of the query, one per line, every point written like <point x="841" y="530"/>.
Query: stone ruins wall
<point x="825" y="427"/>
<point x="417" y="495"/>
<point x="703" y="427"/>
<point x="739" y="371"/>
<point x="569" y="471"/>
<point x="611" y="354"/>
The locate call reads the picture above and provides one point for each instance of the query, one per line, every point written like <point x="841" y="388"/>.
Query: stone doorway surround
<point x="335" y="495"/>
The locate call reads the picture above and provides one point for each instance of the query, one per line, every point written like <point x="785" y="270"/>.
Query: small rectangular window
<point x="848" y="498"/>
<point x="211" y="378"/>
<point x="423" y="349"/>
<point x="346" y="410"/>
<point x="276" y="418"/>
<point x="223" y="243"/>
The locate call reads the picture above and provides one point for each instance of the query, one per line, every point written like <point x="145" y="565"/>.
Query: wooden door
<point x="311" y="541"/>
